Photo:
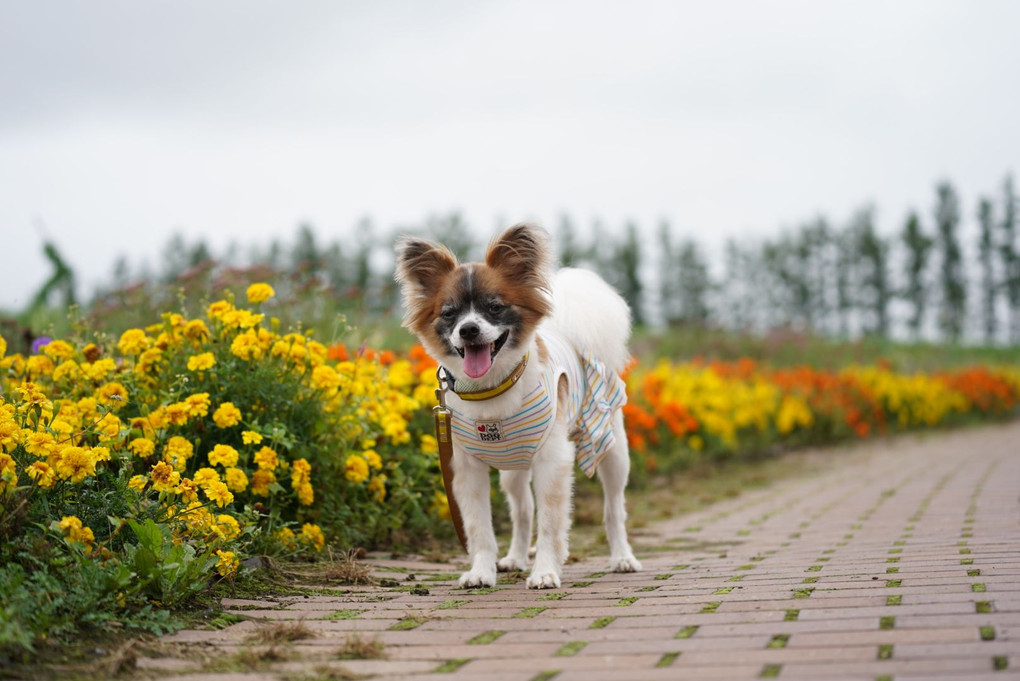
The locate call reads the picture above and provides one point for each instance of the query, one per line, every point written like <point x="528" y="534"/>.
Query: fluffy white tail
<point x="591" y="316"/>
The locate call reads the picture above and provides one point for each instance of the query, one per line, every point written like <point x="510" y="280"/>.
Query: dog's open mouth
<point x="478" y="358"/>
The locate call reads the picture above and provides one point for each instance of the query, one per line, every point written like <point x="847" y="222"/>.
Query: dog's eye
<point x="495" y="307"/>
<point x="448" y="313"/>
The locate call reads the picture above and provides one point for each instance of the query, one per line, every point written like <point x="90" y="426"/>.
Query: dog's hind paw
<point x="543" y="580"/>
<point x="474" y="579"/>
<point x="626" y="563"/>
<point x="512" y="564"/>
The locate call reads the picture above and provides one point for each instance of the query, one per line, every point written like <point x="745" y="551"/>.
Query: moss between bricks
<point x="667" y="659"/>
<point x="570" y="649"/>
<point x="486" y="637"/>
<point x="450" y="666"/>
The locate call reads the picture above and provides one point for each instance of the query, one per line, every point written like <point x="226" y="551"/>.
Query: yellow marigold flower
<point x="201" y="362"/>
<point x="148" y="360"/>
<point x="227" y="527"/>
<point x="298" y="353"/>
<point x="205" y="476"/>
<point x="300" y="473"/>
<point x="188" y="490"/>
<point x="177" y="452"/>
<point x="218" y="492"/>
<point x="138" y="482"/>
<point x="40" y="365"/>
<point x="305" y="494"/>
<point x="76" y="464"/>
<point x="69" y="370"/>
<point x="196" y="330"/>
<point x="223" y="455"/>
<point x="100" y="453"/>
<point x="356" y="469"/>
<point x="8" y="474"/>
<point x="312" y="534"/>
<point x="164" y="477"/>
<point x="372" y="458"/>
<point x="260" y="482"/>
<point x="377" y="485"/>
<point x="218" y="309"/>
<point x="227" y="415"/>
<point x="3" y="346"/>
<point x="260" y="292"/>
<point x="142" y="447"/>
<point x="285" y="537"/>
<point x="109" y="427"/>
<point x="429" y="445"/>
<point x="237" y="481"/>
<point x="198" y="404"/>
<point x="440" y="505"/>
<point x="31" y="395"/>
<point x="73" y="530"/>
<point x="62" y="429"/>
<point x="58" y="350"/>
<point x="100" y="369"/>
<point x="227" y="564"/>
<point x="250" y="437"/>
<point x="14" y="363"/>
<point x="42" y="473"/>
<point x="177" y="413"/>
<point x="246" y="346"/>
<point x="39" y="443"/>
<point x="244" y="319"/>
<point x="133" y="342"/>
<point x="266" y="459"/>
<point x="112" y="393"/>
<point x="318" y="352"/>
<point x="326" y="379"/>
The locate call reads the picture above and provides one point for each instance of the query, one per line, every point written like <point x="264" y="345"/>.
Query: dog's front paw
<point x="543" y="580"/>
<point x="474" y="579"/>
<point x="627" y="563"/>
<point x="510" y="563"/>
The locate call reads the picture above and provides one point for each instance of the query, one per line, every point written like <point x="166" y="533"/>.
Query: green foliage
<point x="167" y="572"/>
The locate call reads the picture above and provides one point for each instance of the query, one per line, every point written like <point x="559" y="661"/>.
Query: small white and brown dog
<point x="533" y="358"/>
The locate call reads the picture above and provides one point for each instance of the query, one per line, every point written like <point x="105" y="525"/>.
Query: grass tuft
<point x="279" y="633"/>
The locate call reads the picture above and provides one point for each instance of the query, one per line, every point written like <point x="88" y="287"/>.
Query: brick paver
<point x="899" y="560"/>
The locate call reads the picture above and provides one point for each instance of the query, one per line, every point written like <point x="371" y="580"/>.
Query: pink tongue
<point x="476" y="360"/>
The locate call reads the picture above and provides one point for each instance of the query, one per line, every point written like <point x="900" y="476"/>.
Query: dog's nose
<point x="469" y="331"/>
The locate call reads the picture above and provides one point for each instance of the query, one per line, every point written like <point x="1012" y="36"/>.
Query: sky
<point x="124" y="122"/>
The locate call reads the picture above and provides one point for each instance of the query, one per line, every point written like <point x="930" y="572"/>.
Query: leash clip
<point x="444" y="386"/>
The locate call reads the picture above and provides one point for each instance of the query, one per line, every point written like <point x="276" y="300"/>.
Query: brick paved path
<point x="901" y="560"/>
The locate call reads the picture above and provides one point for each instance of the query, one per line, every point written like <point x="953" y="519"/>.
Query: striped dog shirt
<point x="594" y="394"/>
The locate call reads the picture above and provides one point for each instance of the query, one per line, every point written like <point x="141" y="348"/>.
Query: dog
<point x="533" y="359"/>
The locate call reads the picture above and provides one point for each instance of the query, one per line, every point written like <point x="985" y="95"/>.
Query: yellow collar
<point x="489" y="393"/>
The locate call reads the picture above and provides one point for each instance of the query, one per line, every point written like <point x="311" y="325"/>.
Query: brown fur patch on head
<point x="422" y="268"/>
<point x="523" y="255"/>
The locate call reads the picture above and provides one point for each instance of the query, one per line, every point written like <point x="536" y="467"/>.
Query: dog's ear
<point x="523" y="253"/>
<point x="421" y="265"/>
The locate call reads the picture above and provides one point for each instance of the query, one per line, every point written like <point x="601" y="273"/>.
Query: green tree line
<point x="842" y="280"/>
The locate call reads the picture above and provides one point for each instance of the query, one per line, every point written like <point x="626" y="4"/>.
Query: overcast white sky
<point x="124" y="121"/>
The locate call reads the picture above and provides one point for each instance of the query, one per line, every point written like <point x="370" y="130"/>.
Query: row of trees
<point x="851" y="280"/>
<point x="843" y="280"/>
